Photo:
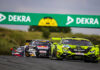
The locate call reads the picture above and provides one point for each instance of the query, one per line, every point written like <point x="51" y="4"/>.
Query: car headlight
<point x="58" y="49"/>
<point x="92" y="51"/>
<point x="65" y="50"/>
<point x="66" y="46"/>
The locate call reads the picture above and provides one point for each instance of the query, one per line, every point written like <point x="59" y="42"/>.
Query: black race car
<point x="42" y="48"/>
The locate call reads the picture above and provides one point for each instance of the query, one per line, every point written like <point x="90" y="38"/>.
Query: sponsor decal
<point x="47" y="21"/>
<point x="15" y="18"/>
<point x="89" y="21"/>
<point x="2" y="17"/>
<point x="69" y="20"/>
<point x="19" y="18"/>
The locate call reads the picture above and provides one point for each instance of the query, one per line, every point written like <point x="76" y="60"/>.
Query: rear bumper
<point x="46" y="53"/>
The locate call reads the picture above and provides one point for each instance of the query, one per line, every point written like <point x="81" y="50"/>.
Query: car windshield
<point x="41" y="43"/>
<point x="76" y="42"/>
<point x="34" y="43"/>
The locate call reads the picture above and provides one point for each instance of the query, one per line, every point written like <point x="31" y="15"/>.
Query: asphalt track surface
<point x="32" y="63"/>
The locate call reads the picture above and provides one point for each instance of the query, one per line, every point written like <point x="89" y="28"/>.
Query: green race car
<point x="74" y="48"/>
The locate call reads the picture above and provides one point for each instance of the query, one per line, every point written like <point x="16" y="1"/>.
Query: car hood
<point x="75" y="46"/>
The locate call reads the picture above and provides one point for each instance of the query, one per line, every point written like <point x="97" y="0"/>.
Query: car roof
<point x="40" y="41"/>
<point x="77" y="39"/>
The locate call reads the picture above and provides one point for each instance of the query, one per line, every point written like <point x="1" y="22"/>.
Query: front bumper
<point x="67" y="55"/>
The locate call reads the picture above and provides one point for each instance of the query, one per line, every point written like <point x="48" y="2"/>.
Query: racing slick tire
<point x="93" y="60"/>
<point x="53" y="55"/>
<point x="27" y="54"/>
<point x="37" y="54"/>
<point x="90" y="59"/>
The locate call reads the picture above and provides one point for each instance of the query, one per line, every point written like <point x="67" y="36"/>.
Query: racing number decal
<point x="47" y="21"/>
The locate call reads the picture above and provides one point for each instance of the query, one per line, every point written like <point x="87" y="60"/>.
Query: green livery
<point x="74" y="48"/>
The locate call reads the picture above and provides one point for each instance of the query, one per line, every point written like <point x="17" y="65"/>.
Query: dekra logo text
<point x="87" y="21"/>
<point x="19" y="18"/>
<point x="82" y="20"/>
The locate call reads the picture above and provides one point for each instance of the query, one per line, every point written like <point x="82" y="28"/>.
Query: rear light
<point x="42" y="46"/>
<point x="57" y="53"/>
<point x="15" y="50"/>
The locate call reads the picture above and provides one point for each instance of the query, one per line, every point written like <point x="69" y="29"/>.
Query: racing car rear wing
<point x="55" y="38"/>
<point x="28" y="40"/>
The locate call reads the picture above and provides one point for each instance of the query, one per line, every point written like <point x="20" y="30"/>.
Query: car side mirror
<point x="52" y="42"/>
<point x="97" y="46"/>
<point x="55" y="43"/>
